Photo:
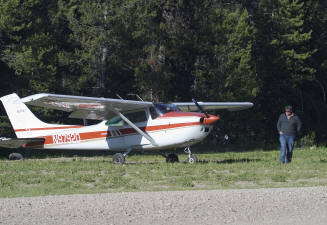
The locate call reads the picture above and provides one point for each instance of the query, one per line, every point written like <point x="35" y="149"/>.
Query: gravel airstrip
<point x="243" y="206"/>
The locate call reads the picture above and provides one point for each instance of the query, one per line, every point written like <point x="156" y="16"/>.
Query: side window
<point x="153" y="113"/>
<point x="136" y="117"/>
<point x="115" y="122"/>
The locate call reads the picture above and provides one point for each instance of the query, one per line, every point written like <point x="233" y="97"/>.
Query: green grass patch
<point x="216" y="170"/>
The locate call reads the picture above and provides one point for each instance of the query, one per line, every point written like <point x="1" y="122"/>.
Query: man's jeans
<point x="286" y="143"/>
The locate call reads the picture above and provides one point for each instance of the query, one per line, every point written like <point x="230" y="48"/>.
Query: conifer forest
<point x="269" y="52"/>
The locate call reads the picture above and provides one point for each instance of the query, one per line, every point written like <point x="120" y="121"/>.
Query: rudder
<point x="21" y="118"/>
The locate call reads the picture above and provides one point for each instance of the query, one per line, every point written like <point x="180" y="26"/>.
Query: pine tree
<point x="283" y="58"/>
<point x="293" y="41"/>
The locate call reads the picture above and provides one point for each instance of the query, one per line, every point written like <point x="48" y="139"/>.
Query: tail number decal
<point x="66" y="138"/>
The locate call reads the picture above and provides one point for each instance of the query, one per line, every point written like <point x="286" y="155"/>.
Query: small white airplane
<point x="126" y="125"/>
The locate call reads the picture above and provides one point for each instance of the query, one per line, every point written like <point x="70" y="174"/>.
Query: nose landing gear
<point x="191" y="158"/>
<point x="172" y="158"/>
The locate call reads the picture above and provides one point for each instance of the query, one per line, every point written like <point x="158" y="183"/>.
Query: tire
<point x="118" y="158"/>
<point x="172" y="158"/>
<point x="193" y="159"/>
<point x="15" y="156"/>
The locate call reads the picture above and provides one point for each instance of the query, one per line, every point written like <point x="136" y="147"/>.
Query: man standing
<point x="288" y="126"/>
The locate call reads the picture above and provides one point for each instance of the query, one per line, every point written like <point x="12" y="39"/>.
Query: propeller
<point x="201" y="109"/>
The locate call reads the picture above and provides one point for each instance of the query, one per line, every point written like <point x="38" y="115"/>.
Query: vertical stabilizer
<point x="22" y="119"/>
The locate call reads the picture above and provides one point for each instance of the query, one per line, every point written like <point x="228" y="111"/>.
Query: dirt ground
<point x="244" y="206"/>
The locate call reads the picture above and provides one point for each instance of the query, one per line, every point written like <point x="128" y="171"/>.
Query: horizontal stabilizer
<point x="19" y="142"/>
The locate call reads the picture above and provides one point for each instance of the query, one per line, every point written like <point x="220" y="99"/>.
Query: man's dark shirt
<point x="289" y="126"/>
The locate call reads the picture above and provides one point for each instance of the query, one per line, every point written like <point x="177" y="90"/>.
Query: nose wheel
<point x="191" y="158"/>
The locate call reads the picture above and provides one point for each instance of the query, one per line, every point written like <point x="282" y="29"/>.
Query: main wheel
<point x="15" y="156"/>
<point x="118" y="158"/>
<point x="171" y="158"/>
<point x="193" y="159"/>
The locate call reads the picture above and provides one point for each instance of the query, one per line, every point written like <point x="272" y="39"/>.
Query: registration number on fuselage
<point x="66" y="138"/>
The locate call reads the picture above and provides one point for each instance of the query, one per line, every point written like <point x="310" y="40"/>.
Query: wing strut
<point x="134" y="126"/>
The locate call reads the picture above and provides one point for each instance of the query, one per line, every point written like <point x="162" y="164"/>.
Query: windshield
<point x="165" y="108"/>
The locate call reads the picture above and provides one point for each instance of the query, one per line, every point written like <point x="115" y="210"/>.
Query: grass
<point x="217" y="170"/>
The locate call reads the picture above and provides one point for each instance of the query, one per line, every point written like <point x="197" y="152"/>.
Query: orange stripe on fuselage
<point x="83" y="136"/>
<point x="125" y="131"/>
<point x="158" y="127"/>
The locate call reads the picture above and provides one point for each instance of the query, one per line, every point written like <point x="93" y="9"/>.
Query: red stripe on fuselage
<point x="83" y="136"/>
<point x="158" y="127"/>
<point x="124" y="131"/>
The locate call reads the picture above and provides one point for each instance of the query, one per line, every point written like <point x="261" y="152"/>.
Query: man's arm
<point x="279" y="125"/>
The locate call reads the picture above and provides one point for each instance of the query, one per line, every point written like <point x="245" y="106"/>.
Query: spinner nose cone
<point x="210" y="120"/>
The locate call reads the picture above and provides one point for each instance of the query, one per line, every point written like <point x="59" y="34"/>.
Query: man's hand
<point x="280" y="132"/>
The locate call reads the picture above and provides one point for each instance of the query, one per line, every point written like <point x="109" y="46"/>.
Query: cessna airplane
<point x="125" y="125"/>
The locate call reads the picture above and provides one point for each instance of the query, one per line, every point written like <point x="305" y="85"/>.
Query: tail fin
<point x="21" y="118"/>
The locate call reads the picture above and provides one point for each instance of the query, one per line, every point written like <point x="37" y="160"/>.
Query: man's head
<point x="288" y="110"/>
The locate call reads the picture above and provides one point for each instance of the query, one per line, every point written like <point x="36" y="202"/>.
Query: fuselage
<point x="165" y="124"/>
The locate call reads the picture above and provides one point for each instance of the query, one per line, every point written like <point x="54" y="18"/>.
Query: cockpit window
<point x="153" y="113"/>
<point x="165" y="108"/>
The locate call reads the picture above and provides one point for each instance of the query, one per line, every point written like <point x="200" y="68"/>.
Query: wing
<point x="18" y="142"/>
<point x="231" y="106"/>
<point x="85" y="107"/>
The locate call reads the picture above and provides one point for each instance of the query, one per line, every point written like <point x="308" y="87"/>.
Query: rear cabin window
<point x="136" y="117"/>
<point x="115" y="122"/>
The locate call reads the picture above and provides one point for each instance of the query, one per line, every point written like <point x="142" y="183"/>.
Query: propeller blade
<point x="201" y="109"/>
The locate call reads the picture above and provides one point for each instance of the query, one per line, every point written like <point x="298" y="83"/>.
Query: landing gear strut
<point x="191" y="158"/>
<point x="119" y="158"/>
